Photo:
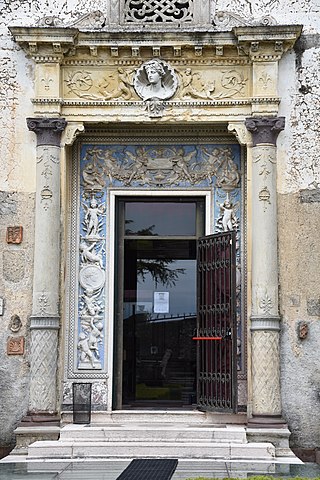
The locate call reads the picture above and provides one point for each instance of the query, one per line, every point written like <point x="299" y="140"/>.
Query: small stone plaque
<point x="15" y="346"/>
<point x="14" y="234"/>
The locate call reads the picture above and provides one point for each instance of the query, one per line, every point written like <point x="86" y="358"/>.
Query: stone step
<point x="153" y="432"/>
<point x="194" y="417"/>
<point x="225" y="451"/>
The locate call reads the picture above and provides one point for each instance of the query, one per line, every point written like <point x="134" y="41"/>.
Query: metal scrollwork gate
<point x="216" y="327"/>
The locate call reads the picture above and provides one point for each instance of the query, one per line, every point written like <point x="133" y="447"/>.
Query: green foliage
<point x="159" y="271"/>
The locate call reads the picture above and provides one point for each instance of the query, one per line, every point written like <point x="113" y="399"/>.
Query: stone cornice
<point x="267" y="43"/>
<point x="45" y="45"/>
<point x="171" y="103"/>
<point x="256" y="42"/>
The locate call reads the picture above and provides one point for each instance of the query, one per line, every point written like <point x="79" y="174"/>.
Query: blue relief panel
<point x="92" y="275"/>
<point x="214" y="166"/>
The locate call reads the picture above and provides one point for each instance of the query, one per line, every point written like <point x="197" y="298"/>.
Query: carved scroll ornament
<point x="224" y="19"/>
<point x="94" y="20"/>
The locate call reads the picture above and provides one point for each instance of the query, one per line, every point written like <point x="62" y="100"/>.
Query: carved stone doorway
<point x="110" y="165"/>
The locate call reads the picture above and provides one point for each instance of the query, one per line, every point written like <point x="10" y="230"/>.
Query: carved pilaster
<point x="265" y="312"/>
<point x="44" y="322"/>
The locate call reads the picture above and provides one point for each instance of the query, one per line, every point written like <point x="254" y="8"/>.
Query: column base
<point x="40" y="418"/>
<point x="267" y="421"/>
<point x="273" y="429"/>
<point x="34" y="427"/>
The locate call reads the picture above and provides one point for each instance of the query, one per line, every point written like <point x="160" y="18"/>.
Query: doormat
<point x="150" y="469"/>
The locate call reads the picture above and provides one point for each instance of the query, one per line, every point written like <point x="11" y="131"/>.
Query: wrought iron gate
<point x="216" y="325"/>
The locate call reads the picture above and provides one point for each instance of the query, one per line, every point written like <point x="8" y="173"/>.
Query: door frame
<point x="112" y="255"/>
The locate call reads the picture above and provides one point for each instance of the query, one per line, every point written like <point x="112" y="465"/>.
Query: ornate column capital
<point x="48" y="130"/>
<point x="265" y="129"/>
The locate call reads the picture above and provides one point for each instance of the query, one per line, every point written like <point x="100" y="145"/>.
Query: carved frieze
<point x="92" y="262"/>
<point x="160" y="166"/>
<point x="156" y="79"/>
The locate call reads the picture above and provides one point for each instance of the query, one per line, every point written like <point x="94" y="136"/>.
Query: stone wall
<point x="299" y="223"/>
<point x="16" y="262"/>
<point x="298" y="187"/>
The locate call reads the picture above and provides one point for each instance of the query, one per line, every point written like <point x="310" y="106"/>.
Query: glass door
<point x="156" y="318"/>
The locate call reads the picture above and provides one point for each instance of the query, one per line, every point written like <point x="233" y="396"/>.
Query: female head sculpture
<point x="155" y="79"/>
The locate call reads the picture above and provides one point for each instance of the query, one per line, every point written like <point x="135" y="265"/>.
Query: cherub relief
<point x="90" y="305"/>
<point x="91" y="218"/>
<point x="88" y="255"/>
<point x="194" y="86"/>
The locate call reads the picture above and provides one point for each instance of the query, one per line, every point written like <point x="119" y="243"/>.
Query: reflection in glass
<point x="160" y="218"/>
<point x="159" y="322"/>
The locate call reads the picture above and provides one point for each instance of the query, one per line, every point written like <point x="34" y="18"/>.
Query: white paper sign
<point x="161" y="302"/>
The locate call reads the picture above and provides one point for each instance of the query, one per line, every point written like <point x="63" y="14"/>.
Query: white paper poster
<point x="161" y="302"/>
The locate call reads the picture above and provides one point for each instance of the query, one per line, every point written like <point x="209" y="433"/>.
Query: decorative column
<point x="265" y="319"/>
<point x="44" y="321"/>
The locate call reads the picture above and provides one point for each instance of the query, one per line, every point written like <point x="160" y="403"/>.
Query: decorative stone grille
<point x="168" y="11"/>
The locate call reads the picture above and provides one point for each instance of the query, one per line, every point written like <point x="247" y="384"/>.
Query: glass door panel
<point x="159" y="321"/>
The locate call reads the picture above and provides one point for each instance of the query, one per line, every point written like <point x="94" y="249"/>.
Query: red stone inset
<point x="14" y="234"/>
<point x="15" y="346"/>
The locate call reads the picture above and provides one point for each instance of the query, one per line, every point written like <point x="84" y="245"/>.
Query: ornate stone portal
<point x="87" y="75"/>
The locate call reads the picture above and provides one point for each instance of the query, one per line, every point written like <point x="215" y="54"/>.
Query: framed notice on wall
<point x="161" y="302"/>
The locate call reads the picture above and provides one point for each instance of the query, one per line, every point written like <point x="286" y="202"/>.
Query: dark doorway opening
<point x="156" y="298"/>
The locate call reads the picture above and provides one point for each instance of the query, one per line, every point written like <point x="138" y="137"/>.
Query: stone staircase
<point x="145" y="434"/>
